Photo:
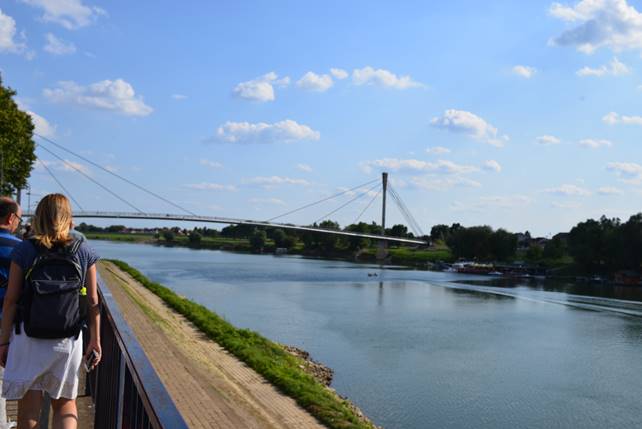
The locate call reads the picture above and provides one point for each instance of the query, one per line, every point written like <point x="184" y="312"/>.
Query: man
<point x="10" y="219"/>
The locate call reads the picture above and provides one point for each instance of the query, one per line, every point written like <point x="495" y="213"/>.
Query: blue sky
<point x="523" y="115"/>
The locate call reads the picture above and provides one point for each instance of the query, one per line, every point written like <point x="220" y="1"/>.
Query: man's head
<point x="10" y="214"/>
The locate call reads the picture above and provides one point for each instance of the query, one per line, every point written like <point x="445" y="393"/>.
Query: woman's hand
<point x="4" y="351"/>
<point x="93" y="346"/>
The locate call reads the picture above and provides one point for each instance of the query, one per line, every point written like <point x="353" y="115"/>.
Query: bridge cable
<point x="323" y="200"/>
<point x="352" y="200"/>
<point x="93" y="180"/>
<point x="406" y="213"/>
<point x="116" y="175"/>
<point x="367" y="207"/>
<point x="65" y="190"/>
<point x="414" y="225"/>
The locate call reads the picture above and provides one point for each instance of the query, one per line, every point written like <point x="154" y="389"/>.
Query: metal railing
<point x="126" y="390"/>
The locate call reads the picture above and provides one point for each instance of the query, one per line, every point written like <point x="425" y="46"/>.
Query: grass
<point x="264" y="356"/>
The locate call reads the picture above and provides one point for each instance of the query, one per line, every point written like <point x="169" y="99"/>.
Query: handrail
<point x="125" y="388"/>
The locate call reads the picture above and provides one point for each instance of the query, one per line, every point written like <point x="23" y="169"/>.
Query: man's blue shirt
<point x="7" y="243"/>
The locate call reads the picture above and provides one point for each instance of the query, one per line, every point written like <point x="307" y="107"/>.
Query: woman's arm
<point x="94" y="314"/>
<point x="14" y="289"/>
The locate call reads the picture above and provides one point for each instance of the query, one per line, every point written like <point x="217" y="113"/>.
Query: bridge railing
<point x="125" y="388"/>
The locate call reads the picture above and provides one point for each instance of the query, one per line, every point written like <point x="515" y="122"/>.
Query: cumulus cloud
<point x="460" y="121"/>
<point x="71" y="14"/>
<point x="315" y="82"/>
<point x="595" y="144"/>
<point x="437" y="150"/>
<point x="492" y="165"/>
<point x="524" y="71"/>
<point x="179" y="97"/>
<point x="304" y="167"/>
<point x="381" y="77"/>
<point x="262" y="88"/>
<point x="287" y="131"/>
<point x="42" y="126"/>
<point x="57" y="46"/>
<point x="612" y="24"/>
<point x="568" y="191"/>
<point x="433" y="183"/>
<point x="66" y="165"/>
<point x="395" y="164"/>
<point x="205" y="186"/>
<point x="272" y="181"/>
<point x="8" y="41"/>
<point x="339" y="73"/>
<point x="609" y="190"/>
<point x="214" y="165"/>
<point x="547" y="140"/>
<point x="628" y="172"/>
<point x="115" y="95"/>
<point x="614" y="68"/>
<point x="613" y="118"/>
<point x="269" y="201"/>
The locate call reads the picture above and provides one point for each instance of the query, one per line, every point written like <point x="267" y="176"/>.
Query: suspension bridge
<point x="357" y="192"/>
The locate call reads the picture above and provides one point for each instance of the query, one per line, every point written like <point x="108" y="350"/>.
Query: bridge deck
<point x="211" y="388"/>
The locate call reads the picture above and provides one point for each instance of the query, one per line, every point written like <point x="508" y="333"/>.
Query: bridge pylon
<point x="382" y="249"/>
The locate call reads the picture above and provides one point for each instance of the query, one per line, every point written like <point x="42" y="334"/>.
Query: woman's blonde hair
<point x="52" y="220"/>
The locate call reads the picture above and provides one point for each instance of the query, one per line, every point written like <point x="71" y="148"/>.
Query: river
<point x="418" y="349"/>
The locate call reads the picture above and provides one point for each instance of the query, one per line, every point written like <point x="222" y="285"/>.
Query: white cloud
<point x="271" y="201"/>
<point x="66" y="165"/>
<point x="595" y="144"/>
<point x="613" y="118"/>
<point x="58" y="47"/>
<point x="639" y="87"/>
<point x="484" y="203"/>
<point x="547" y="140"/>
<point x="117" y="95"/>
<point x="287" y="131"/>
<point x="460" y="121"/>
<point x="437" y="150"/>
<point x="381" y="77"/>
<point x="524" y="71"/>
<point x="432" y="183"/>
<point x="214" y="165"/>
<point x="568" y="191"/>
<point x="395" y="164"/>
<point x="8" y="43"/>
<point x="629" y="172"/>
<point x="614" y="68"/>
<point x="262" y="88"/>
<point x="315" y="82"/>
<point x="339" y="73"/>
<point x="567" y="205"/>
<point x="612" y="24"/>
<point x="205" y="186"/>
<point x="304" y="167"/>
<point x="42" y="126"/>
<point x="609" y="190"/>
<point x="272" y="181"/>
<point x="179" y="97"/>
<point x="492" y="165"/>
<point x="71" y="14"/>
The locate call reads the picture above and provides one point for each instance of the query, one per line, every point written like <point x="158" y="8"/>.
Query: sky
<point x="520" y="115"/>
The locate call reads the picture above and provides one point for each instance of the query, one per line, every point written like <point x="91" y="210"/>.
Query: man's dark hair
<point x="7" y="207"/>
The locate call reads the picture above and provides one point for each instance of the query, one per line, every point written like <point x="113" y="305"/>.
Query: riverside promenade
<point x="209" y="386"/>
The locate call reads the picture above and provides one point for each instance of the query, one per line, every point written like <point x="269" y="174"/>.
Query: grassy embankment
<point x="264" y="356"/>
<point x="398" y="255"/>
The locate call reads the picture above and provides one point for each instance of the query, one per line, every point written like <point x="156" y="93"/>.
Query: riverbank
<point x="404" y="256"/>
<point x="272" y="361"/>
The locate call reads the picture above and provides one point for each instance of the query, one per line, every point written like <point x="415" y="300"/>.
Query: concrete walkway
<point x="211" y="388"/>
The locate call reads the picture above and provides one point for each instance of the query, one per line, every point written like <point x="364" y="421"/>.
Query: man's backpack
<point x="50" y="304"/>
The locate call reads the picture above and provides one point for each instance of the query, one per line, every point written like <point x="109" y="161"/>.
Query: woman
<point x="35" y="365"/>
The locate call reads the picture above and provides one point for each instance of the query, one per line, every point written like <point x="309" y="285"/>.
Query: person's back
<point x="10" y="217"/>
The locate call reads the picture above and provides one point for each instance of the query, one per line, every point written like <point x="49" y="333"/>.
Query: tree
<point x="503" y="245"/>
<point x="168" y="235"/>
<point x="194" y="237"/>
<point x="17" y="149"/>
<point x="398" y="230"/>
<point x="439" y="232"/>
<point x="278" y="236"/>
<point x="257" y="240"/>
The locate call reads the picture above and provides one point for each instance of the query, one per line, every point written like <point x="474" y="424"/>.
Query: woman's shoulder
<point x="87" y="252"/>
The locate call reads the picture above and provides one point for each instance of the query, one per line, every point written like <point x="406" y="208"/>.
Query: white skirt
<point x="51" y="366"/>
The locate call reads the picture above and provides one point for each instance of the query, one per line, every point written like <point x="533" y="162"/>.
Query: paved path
<point x="211" y="388"/>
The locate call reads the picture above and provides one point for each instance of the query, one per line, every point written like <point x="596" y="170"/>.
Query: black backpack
<point x="50" y="304"/>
